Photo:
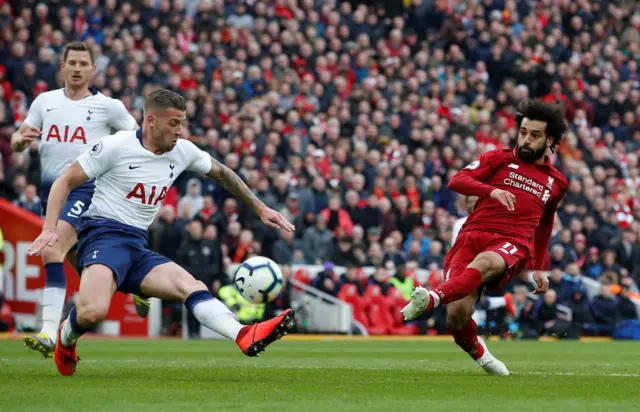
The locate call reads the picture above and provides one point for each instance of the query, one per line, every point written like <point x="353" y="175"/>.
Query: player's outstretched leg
<point x="97" y="286"/>
<point x="465" y="333"/>
<point x="170" y="281"/>
<point x="54" y="292"/>
<point x="485" y="267"/>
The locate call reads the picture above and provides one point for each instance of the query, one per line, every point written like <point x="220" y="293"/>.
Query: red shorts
<point x="470" y="244"/>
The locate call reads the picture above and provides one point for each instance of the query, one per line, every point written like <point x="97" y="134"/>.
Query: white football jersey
<point x="131" y="181"/>
<point x="456" y="229"/>
<point x="71" y="127"/>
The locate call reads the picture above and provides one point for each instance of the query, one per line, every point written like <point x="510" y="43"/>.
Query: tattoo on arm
<point x="234" y="184"/>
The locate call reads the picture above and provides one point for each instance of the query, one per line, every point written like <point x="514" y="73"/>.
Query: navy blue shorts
<point x="77" y="203"/>
<point x="120" y="247"/>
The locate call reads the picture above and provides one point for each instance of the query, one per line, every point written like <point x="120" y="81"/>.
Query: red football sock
<point x="467" y="339"/>
<point x="459" y="287"/>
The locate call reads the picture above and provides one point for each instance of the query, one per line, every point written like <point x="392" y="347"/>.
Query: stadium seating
<point x="349" y="293"/>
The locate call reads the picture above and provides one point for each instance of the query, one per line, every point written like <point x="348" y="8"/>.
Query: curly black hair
<point x="551" y="113"/>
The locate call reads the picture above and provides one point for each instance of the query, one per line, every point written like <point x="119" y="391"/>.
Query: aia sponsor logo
<point x="147" y="195"/>
<point x="64" y="134"/>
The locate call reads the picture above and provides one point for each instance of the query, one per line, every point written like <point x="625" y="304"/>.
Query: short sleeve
<point x="199" y="160"/>
<point x="119" y="117"/>
<point x="34" y="118"/>
<point x="99" y="159"/>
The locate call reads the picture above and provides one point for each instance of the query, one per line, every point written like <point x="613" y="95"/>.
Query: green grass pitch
<point x="327" y="376"/>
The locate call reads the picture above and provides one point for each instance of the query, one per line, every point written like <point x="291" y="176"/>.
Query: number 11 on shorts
<point x="508" y="249"/>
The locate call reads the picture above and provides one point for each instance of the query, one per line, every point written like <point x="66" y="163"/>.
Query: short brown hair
<point x="78" y="46"/>
<point x="164" y="99"/>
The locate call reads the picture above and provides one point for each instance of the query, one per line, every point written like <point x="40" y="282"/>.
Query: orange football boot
<point x="65" y="356"/>
<point x="254" y="339"/>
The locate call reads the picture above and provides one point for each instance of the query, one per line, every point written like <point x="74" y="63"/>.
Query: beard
<point x="529" y="155"/>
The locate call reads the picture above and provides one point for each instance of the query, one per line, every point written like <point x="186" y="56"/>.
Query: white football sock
<point x="68" y="336"/>
<point x="435" y="297"/>
<point x="52" y="303"/>
<point x="494" y="303"/>
<point x="214" y="315"/>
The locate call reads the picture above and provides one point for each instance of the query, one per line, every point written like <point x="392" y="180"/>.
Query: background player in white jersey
<point x="134" y="171"/>
<point x="466" y="204"/>
<point x="69" y="121"/>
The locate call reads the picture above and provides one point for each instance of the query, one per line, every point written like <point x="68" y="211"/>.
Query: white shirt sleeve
<point x="199" y="160"/>
<point x="100" y="158"/>
<point x="119" y="117"/>
<point x="34" y="118"/>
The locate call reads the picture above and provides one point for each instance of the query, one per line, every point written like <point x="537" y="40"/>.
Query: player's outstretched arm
<point x="73" y="177"/>
<point x="470" y="180"/>
<point x="21" y="139"/>
<point x="234" y="184"/>
<point x="541" y="240"/>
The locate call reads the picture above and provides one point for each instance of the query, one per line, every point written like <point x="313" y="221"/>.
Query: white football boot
<point x="417" y="304"/>
<point x="489" y="363"/>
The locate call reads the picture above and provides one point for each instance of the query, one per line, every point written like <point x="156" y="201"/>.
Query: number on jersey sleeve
<point x="100" y="158"/>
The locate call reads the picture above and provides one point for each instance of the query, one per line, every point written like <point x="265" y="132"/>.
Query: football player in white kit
<point x="466" y="204"/>
<point x="134" y="171"/>
<point x="69" y="121"/>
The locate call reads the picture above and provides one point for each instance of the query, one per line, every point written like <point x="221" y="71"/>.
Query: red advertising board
<point x="24" y="276"/>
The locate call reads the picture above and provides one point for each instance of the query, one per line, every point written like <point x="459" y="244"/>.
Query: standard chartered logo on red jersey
<point x="529" y="185"/>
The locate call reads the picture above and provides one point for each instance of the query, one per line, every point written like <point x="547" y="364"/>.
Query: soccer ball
<point x="259" y="279"/>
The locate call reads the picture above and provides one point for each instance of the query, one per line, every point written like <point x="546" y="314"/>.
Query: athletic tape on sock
<point x="73" y="319"/>
<point x="436" y="298"/>
<point x="197" y="297"/>
<point x="55" y="275"/>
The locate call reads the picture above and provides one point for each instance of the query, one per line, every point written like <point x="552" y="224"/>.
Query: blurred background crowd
<point x="350" y="117"/>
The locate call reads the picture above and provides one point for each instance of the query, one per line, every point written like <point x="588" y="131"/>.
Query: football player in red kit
<point x="509" y="228"/>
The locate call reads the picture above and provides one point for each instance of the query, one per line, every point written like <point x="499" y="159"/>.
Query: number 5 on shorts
<point x="508" y="249"/>
<point x="77" y="209"/>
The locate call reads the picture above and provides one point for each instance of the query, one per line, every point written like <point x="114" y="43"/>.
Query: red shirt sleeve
<point x="470" y="180"/>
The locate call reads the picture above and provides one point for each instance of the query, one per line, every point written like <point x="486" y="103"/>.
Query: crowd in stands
<point x="350" y="117"/>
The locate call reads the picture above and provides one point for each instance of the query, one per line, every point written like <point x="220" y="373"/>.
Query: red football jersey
<point x="538" y="189"/>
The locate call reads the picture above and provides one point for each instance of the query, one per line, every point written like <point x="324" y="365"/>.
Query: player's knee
<point x="456" y="320"/>
<point x="487" y="264"/>
<point x="482" y="262"/>
<point x="187" y="287"/>
<point x="91" y="314"/>
<point x="199" y="286"/>
<point x="195" y="286"/>
<point x="52" y="254"/>
<point x="458" y="315"/>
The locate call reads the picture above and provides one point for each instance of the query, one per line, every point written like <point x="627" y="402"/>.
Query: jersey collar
<point x="93" y="91"/>
<point x="547" y="159"/>
<point x="139" y="137"/>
